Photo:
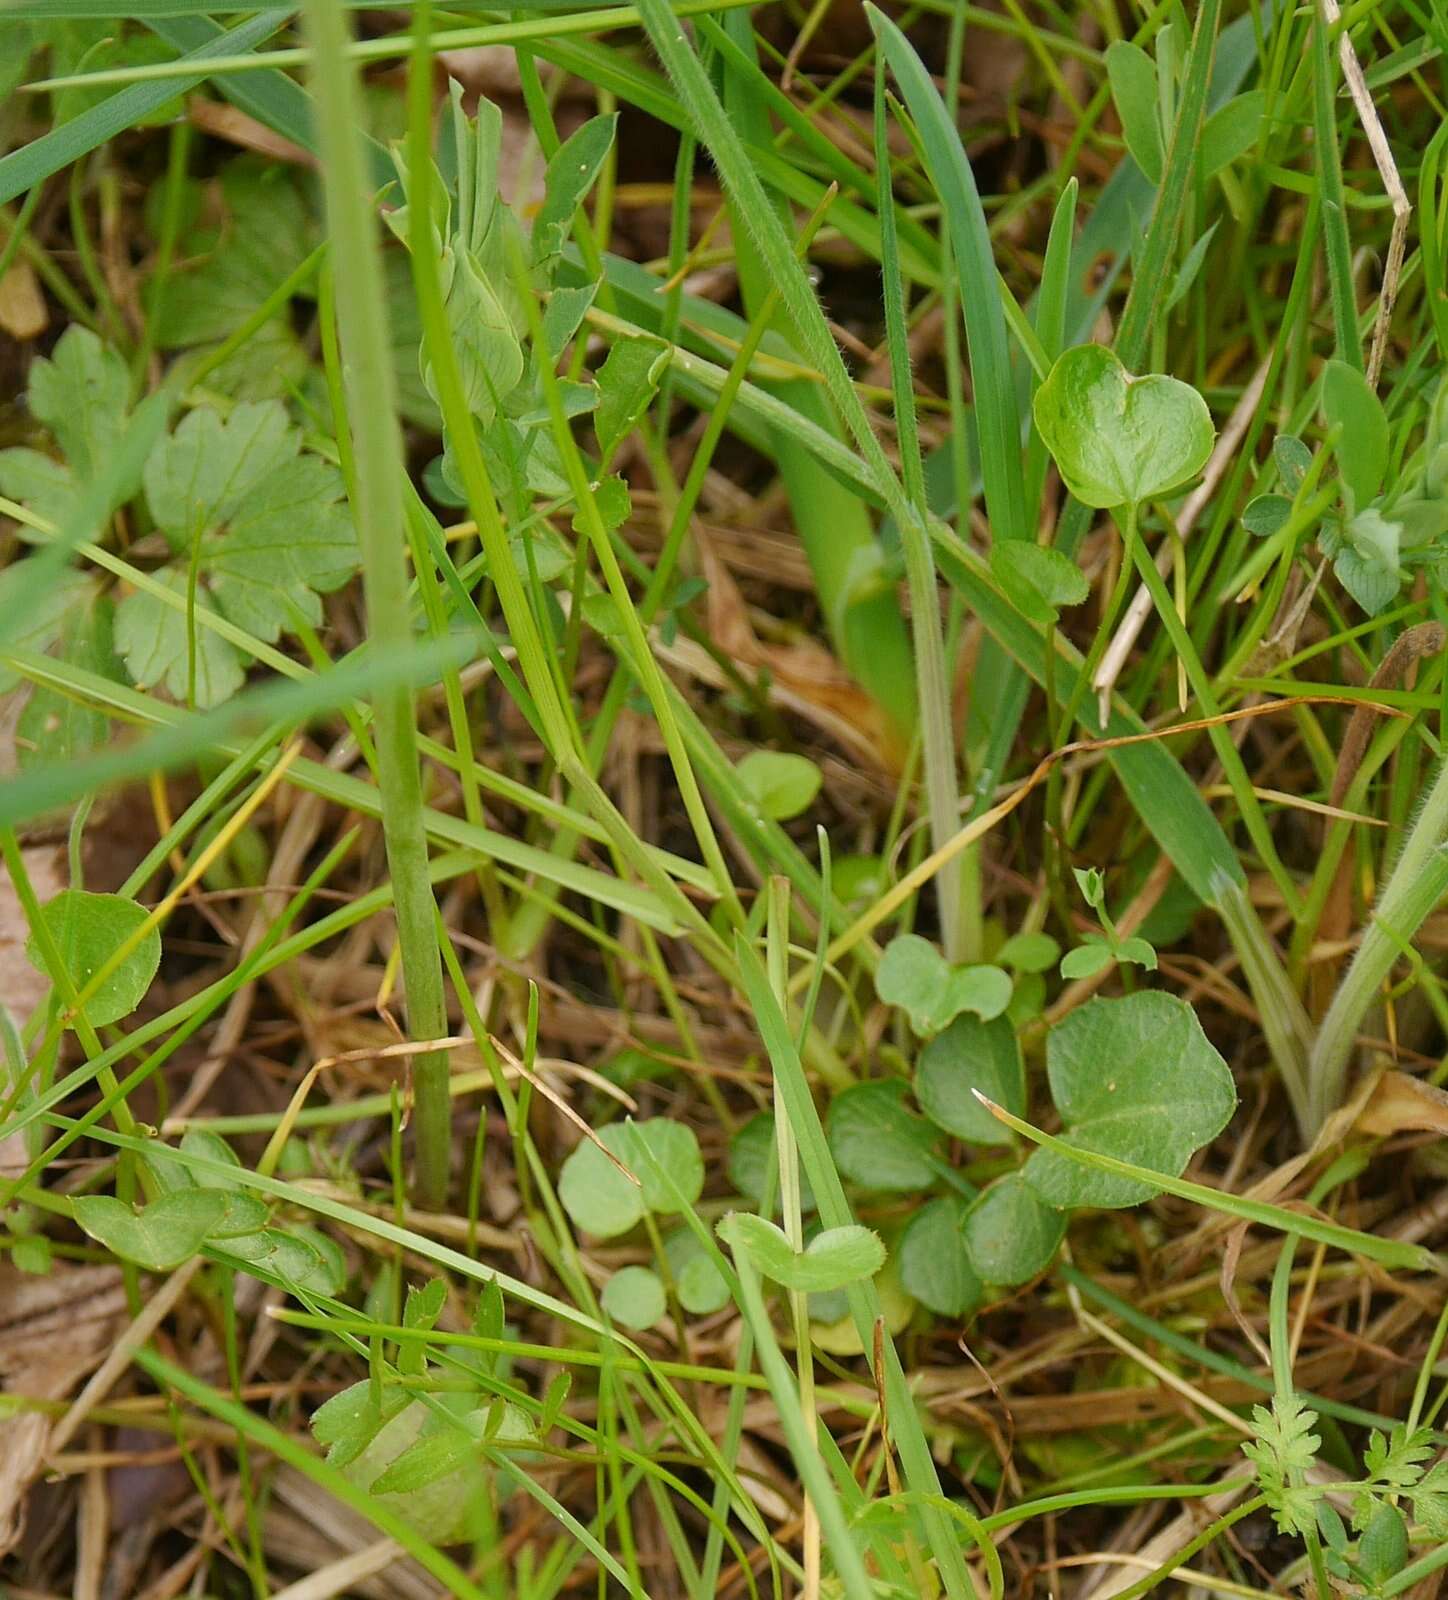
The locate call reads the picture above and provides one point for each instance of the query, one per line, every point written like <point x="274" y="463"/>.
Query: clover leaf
<point x="160" y="1236"/>
<point x="1135" y="1078"/>
<point x="270" y="534"/>
<point x="1117" y="439"/>
<point x="833" y="1259"/>
<point x="634" y="1296"/>
<point x="914" y="976"/>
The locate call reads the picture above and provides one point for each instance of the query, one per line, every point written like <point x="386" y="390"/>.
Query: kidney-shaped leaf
<point x="914" y="976"/>
<point x="1010" y="1233"/>
<point x="934" y="1264"/>
<point x="1119" y="440"/>
<point x="1134" y="1078"/>
<point x="831" y="1260"/>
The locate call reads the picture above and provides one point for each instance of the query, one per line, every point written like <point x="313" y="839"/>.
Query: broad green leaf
<point x="833" y="1259"/>
<point x="970" y="1055"/>
<point x="914" y="976"/>
<point x="446" y="1509"/>
<point x="53" y="726"/>
<point x="1231" y="131"/>
<point x="876" y="1142"/>
<point x="1135" y="1078"/>
<point x="634" y="1296"/>
<point x="154" y="641"/>
<point x="934" y="1264"/>
<point x="570" y="175"/>
<point x="227" y="271"/>
<point x="627" y="382"/>
<point x="1293" y="460"/>
<point x="1383" y="1550"/>
<point x="300" y="1258"/>
<point x="1365" y="556"/>
<point x="43" y="601"/>
<point x="81" y="394"/>
<point x="244" y="1214"/>
<point x="490" y="358"/>
<point x="1133" y="87"/>
<point x="1093" y="955"/>
<point x="781" y="783"/>
<point x="160" y="1236"/>
<point x="348" y="1422"/>
<point x="1011" y="1235"/>
<point x="752" y="1157"/>
<point x="1120" y="440"/>
<point x="88" y="929"/>
<point x="202" y="476"/>
<point x="1265" y="515"/>
<point x="1355" y="413"/>
<point x="1036" y="579"/>
<point x="41" y="484"/>
<point x="602" y="1199"/>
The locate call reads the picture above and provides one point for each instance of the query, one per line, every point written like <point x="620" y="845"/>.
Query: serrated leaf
<point x="43" y="601"/>
<point x="81" y="394"/>
<point x="160" y="1236"/>
<point x="876" y="1142"/>
<point x="914" y="976"/>
<point x="200" y="476"/>
<point x="634" y="1296"/>
<point x="40" y="483"/>
<point x="1134" y="1078"/>
<point x="833" y="1259"/>
<point x="1011" y="1235"/>
<point x="780" y="783"/>
<point x="155" y="643"/>
<point x="88" y="930"/>
<point x="971" y="1055"/>
<point x="1117" y="439"/>
<point x="348" y="1422"/>
<point x="934" y="1265"/>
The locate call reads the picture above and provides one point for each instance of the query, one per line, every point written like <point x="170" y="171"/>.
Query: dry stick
<point x="1228" y="443"/>
<point x="1367" y="112"/>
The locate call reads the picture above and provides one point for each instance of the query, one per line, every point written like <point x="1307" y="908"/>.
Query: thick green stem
<point x="1419" y="881"/>
<point x="378" y="509"/>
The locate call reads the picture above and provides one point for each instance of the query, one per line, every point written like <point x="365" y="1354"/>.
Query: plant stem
<point x="1419" y="881"/>
<point x="378" y="509"/>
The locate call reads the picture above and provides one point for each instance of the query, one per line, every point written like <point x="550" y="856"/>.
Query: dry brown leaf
<point x="1403" y="1104"/>
<point x="23" y="312"/>
<point x="807" y="678"/>
<point x="53" y="1330"/>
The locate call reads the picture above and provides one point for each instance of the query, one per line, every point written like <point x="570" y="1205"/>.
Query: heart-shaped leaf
<point x="780" y="783"/>
<point x="914" y="976"/>
<point x="1134" y="1078"/>
<point x="972" y="1055"/>
<point x="88" y="929"/>
<point x="1120" y="440"/>
<point x="831" y="1260"/>
<point x="161" y="1235"/>
<point x="605" y="1201"/>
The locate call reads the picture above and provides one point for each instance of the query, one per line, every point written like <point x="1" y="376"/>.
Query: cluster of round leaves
<point x="1134" y="1078"/>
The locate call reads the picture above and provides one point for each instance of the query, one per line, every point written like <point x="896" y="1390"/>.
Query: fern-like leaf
<point x="1283" y="1451"/>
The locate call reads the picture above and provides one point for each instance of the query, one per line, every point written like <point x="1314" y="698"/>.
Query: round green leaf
<point x="161" y="1235"/>
<point x="700" y="1285"/>
<point x="1134" y="1078"/>
<point x="876" y="1142"/>
<point x="972" y="1055"/>
<point x="1120" y="440"/>
<point x="88" y="929"/>
<point x="1010" y="1234"/>
<point x="934" y="1265"/>
<point x="635" y="1297"/>
<point x="752" y="1158"/>
<point x="781" y="784"/>
<point x="605" y="1201"/>
<point x="595" y="1194"/>
<point x="1029" y="952"/>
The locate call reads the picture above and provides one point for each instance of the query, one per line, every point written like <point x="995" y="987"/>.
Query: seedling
<point x="1097" y="951"/>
